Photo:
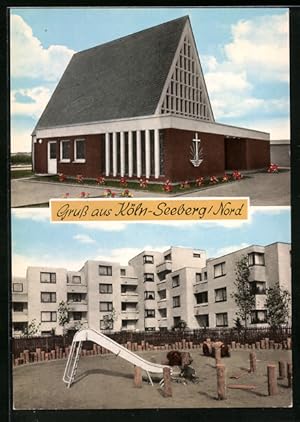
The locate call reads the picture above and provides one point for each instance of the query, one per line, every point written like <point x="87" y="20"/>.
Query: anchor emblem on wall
<point x="196" y="151"/>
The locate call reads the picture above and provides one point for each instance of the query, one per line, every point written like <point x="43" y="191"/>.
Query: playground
<point x="107" y="382"/>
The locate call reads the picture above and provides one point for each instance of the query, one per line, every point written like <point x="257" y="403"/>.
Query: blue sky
<point x="37" y="242"/>
<point x="243" y="51"/>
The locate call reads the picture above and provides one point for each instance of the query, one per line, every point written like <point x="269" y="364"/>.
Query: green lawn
<point x="19" y="174"/>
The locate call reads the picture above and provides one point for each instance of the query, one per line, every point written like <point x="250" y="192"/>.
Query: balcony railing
<point x="164" y="267"/>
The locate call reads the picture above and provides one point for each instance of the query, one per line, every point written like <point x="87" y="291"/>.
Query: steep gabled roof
<point x="120" y="79"/>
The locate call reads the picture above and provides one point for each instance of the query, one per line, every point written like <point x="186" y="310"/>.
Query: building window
<point x="176" y="301"/>
<point x="150" y="329"/>
<point x="105" y="288"/>
<point x="105" y="270"/>
<point x="18" y="287"/>
<point x="256" y="258"/>
<point x="48" y="277"/>
<point x="202" y="297"/>
<point x="148" y="259"/>
<point x="168" y="257"/>
<point x="105" y="306"/>
<point x="221" y="295"/>
<point x="198" y="277"/>
<point x="76" y="279"/>
<point x="175" y="281"/>
<point x="65" y="151"/>
<point x="222" y="320"/>
<point x="203" y="320"/>
<point x="77" y="316"/>
<point x="163" y="313"/>
<point x="205" y="275"/>
<point x="148" y="295"/>
<point x="18" y="306"/>
<point x="162" y="294"/>
<point x="196" y="255"/>
<point x="48" y="297"/>
<point x="48" y="316"/>
<point x="219" y="270"/>
<point x="79" y="150"/>
<point x="122" y="271"/>
<point x="259" y="317"/>
<point x="258" y="287"/>
<point x="106" y="324"/>
<point x="148" y="277"/>
<point x="75" y="297"/>
<point x="149" y="313"/>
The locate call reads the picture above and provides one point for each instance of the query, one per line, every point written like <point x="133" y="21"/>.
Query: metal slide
<point x="109" y="344"/>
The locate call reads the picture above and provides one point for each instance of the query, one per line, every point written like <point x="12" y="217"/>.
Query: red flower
<point x="199" y="181"/>
<point x="123" y="181"/>
<point x="236" y="175"/>
<point x="100" y="180"/>
<point x="213" y="180"/>
<point x="184" y="185"/>
<point x="143" y="183"/>
<point x="79" y="178"/>
<point x="167" y="187"/>
<point x="84" y="194"/>
<point x="225" y="178"/>
<point x="273" y="168"/>
<point x="61" y="177"/>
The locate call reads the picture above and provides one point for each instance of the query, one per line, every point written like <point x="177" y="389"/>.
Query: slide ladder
<point x="72" y="363"/>
<point x="117" y="349"/>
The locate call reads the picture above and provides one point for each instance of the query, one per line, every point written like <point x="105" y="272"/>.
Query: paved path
<point x="263" y="189"/>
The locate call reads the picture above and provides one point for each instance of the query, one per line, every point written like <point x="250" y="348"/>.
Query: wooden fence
<point x="155" y="338"/>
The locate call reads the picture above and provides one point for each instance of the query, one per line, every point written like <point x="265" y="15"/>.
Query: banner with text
<point x="72" y="210"/>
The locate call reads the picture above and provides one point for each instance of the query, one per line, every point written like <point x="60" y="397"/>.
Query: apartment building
<point x="153" y="292"/>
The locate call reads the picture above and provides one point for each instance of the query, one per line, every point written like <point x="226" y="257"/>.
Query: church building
<point x="138" y="107"/>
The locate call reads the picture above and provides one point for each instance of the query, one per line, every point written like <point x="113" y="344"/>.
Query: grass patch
<point x="19" y="174"/>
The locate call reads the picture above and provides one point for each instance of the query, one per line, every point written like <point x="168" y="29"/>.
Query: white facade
<point x="153" y="292"/>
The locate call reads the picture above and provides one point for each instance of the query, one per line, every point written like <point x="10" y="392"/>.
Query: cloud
<point x="20" y="263"/>
<point x="279" y="128"/>
<point x="20" y="139"/>
<point x="30" y="59"/>
<point x="83" y="238"/>
<point x="228" y="249"/>
<point x="36" y="100"/>
<point x="258" y="52"/>
<point x="123" y="255"/>
<point x="34" y="214"/>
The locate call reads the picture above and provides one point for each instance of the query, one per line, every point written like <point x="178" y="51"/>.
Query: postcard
<point x="151" y="221"/>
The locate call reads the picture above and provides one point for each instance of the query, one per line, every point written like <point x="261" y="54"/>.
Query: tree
<point x="277" y="305"/>
<point x="63" y="314"/>
<point x="108" y="320"/>
<point x="180" y="325"/>
<point x="243" y="296"/>
<point x="32" y="328"/>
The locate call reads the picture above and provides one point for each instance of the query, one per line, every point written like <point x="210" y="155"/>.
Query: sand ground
<point x="106" y="382"/>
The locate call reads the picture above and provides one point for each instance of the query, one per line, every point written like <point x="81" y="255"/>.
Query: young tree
<point x="32" y="329"/>
<point x="108" y="320"/>
<point x="180" y="325"/>
<point x="243" y="296"/>
<point x="277" y="305"/>
<point x="63" y="314"/>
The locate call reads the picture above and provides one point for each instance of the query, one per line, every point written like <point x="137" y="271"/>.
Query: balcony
<point x="130" y="297"/>
<point x="164" y="267"/>
<point x="130" y="314"/>
<point x="200" y="309"/>
<point x="200" y="287"/>
<point x="19" y="297"/>
<point x="161" y="304"/>
<point x="77" y="324"/>
<point x="77" y="306"/>
<point x="132" y="281"/>
<point x="161" y="285"/>
<point x="20" y="316"/>
<point x="257" y="272"/>
<point x="163" y="323"/>
<point x="76" y="288"/>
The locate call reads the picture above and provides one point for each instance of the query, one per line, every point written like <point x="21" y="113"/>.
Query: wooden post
<point x="218" y="355"/>
<point x="233" y="344"/>
<point x="271" y="344"/>
<point x="221" y="385"/>
<point x="282" y="369"/>
<point x="167" y="390"/>
<point x="252" y="358"/>
<point x="290" y="375"/>
<point x="272" y="383"/>
<point x="267" y="343"/>
<point x="137" y="381"/>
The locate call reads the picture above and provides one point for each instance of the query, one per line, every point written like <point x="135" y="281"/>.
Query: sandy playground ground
<point x="106" y="382"/>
